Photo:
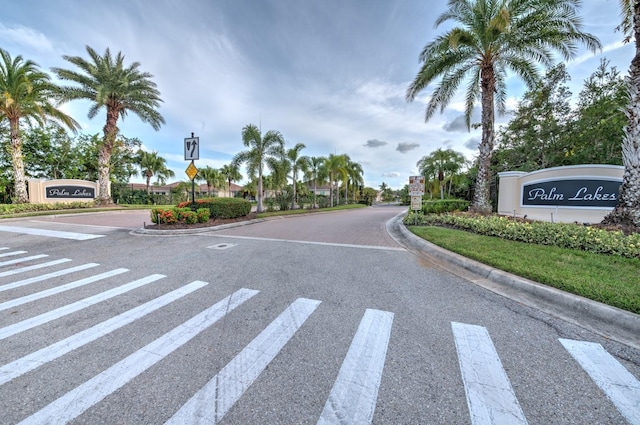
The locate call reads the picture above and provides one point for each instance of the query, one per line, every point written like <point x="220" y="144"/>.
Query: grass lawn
<point x="609" y="279"/>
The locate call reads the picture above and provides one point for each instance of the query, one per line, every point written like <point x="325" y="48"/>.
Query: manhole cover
<point x="222" y="246"/>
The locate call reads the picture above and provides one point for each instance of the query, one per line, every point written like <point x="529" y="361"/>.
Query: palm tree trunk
<point x="627" y="210"/>
<point x="481" y="197"/>
<point x="104" y="156"/>
<point x="331" y="189"/>
<point x="22" y="197"/>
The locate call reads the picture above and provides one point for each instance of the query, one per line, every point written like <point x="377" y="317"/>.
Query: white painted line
<point x="49" y="233"/>
<point x="622" y="388"/>
<point x="32" y="322"/>
<point x="352" y="399"/>
<point x="58" y="289"/>
<point x="34" y="267"/>
<point x="19" y="260"/>
<point x="38" y="358"/>
<point x="384" y="248"/>
<point x="40" y="278"/>
<point x="214" y="400"/>
<point x="490" y="397"/>
<point x="76" y="401"/>
<point x="3" y="248"/>
<point x="9" y="254"/>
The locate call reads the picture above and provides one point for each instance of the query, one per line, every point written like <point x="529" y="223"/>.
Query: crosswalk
<point x="352" y="399"/>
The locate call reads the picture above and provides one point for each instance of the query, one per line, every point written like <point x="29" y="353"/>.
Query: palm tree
<point x="628" y="208"/>
<point x="26" y="94"/>
<point x="230" y="173"/>
<point x="212" y="176"/>
<point x="106" y="82"/>
<point x="151" y="164"/>
<point x="493" y="37"/>
<point x="298" y="163"/>
<point x="335" y="168"/>
<point x="355" y="172"/>
<point x="441" y="164"/>
<point x="261" y="148"/>
<point x="315" y="173"/>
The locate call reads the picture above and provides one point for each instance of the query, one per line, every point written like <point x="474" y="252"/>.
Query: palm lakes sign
<point x="70" y="192"/>
<point x="585" y="193"/>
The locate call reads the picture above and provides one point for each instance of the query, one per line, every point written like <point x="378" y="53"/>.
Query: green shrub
<point x="203" y="215"/>
<point x="190" y="217"/>
<point x="564" y="235"/>
<point x="440" y="206"/>
<point x="221" y="208"/>
<point x="6" y="209"/>
<point x="163" y="216"/>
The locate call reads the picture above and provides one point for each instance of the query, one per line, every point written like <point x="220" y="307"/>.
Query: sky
<point x="331" y="74"/>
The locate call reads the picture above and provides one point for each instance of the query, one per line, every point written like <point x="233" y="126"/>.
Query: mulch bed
<point x="210" y="223"/>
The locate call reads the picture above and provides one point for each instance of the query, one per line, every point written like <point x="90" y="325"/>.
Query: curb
<point x="180" y="232"/>
<point x="611" y="322"/>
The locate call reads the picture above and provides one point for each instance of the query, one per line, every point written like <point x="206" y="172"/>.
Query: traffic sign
<point x="191" y="171"/>
<point x="416" y="185"/>
<point x="416" y="203"/>
<point x="191" y="148"/>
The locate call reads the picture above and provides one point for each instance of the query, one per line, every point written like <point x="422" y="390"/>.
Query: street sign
<point x="191" y="171"/>
<point x="416" y="203"/>
<point x="191" y="148"/>
<point x="416" y="185"/>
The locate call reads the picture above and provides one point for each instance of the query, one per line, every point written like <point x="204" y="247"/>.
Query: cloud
<point x="25" y="37"/>
<point x="472" y="143"/>
<point x="457" y="125"/>
<point x="406" y="147"/>
<point x="391" y="174"/>
<point x="375" y="143"/>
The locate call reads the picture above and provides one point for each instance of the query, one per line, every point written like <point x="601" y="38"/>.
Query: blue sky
<point x="331" y="74"/>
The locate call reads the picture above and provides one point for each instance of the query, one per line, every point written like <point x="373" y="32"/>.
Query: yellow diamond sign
<point x="191" y="171"/>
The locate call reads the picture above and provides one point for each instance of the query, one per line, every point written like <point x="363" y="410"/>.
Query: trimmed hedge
<point x="25" y="208"/>
<point x="179" y="215"/>
<point x="444" y="205"/>
<point x="221" y="208"/>
<point x="564" y="235"/>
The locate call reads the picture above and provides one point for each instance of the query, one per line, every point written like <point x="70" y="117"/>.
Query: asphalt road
<point x="320" y="318"/>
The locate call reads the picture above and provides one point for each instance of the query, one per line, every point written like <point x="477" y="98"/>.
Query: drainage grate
<point x="222" y="246"/>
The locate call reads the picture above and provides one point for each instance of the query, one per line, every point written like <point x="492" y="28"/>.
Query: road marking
<point x="44" y="276"/>
<point x="490" y="397"/>
<point x="214" y="400"/>
<point x="38" y="358"/>
<point x="353" y="397"/>
<point x="12" y="253"/>
<point x="49" y="233"/>
<point x="76" y="401"/>
<point x="34" y="267"/>
<point x="32" y="322"/>
<point x="19" y="260"/>
<point x="384" y="248"/>
<point x="620" y="386"/>
<point x="58" y="289"/>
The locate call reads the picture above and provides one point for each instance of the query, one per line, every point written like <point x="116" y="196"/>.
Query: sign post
<point x="191" y="153"/>
<point x="416" y="191"/>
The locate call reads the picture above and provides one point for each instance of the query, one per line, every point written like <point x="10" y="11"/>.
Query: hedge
<point x="221" y="208"/>
<point x="444" y="205"/>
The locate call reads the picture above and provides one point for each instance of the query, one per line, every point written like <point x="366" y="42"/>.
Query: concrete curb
<point x="182" y="232"/>
<point x="611" y="322"/>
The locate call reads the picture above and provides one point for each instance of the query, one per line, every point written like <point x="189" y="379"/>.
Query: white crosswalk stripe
<point x="353" y="394"/>
<point x="20" y="260"/>
<point x="622" y="388"/>
<point x="49" y="233"/>
<point x="12" y="253"/>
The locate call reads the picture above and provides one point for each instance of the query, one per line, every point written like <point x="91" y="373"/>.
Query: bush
<point x="220" y="208"/>
<point x="564" y="235"/>
<point x="444" y="205"/>
<point x="203" y="215"/>
<point x="25" y="208"/>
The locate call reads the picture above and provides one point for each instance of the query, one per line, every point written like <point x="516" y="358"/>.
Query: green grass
<point x="608" y="279"/>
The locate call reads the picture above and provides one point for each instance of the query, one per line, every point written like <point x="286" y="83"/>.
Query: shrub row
<point x="221" y="208"/>
<point x="24" y="208"/>
<point x="179" y="215"/>
<point x="440" y="206"/>
<point x="563" y="235"/>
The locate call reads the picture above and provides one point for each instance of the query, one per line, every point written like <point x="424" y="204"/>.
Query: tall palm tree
<point x="26" y="94"/>
<point x="441" y="164"/>
<point x="628" y="208"/>
<point x="212" y="176"/>
<point x="335" y="168"/>
<point x="231" y="173"/>
<point x="315" y="173"/>
<point x="355" y="172"/>
<point x="107" y="82"/>
<point x="261" y="148"/>
<point x="298" y="163"/>
<point x="493" y="37"/>
<point x="151" y="164"/>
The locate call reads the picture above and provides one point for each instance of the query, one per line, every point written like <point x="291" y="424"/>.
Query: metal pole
<point x="193" y="184"/>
